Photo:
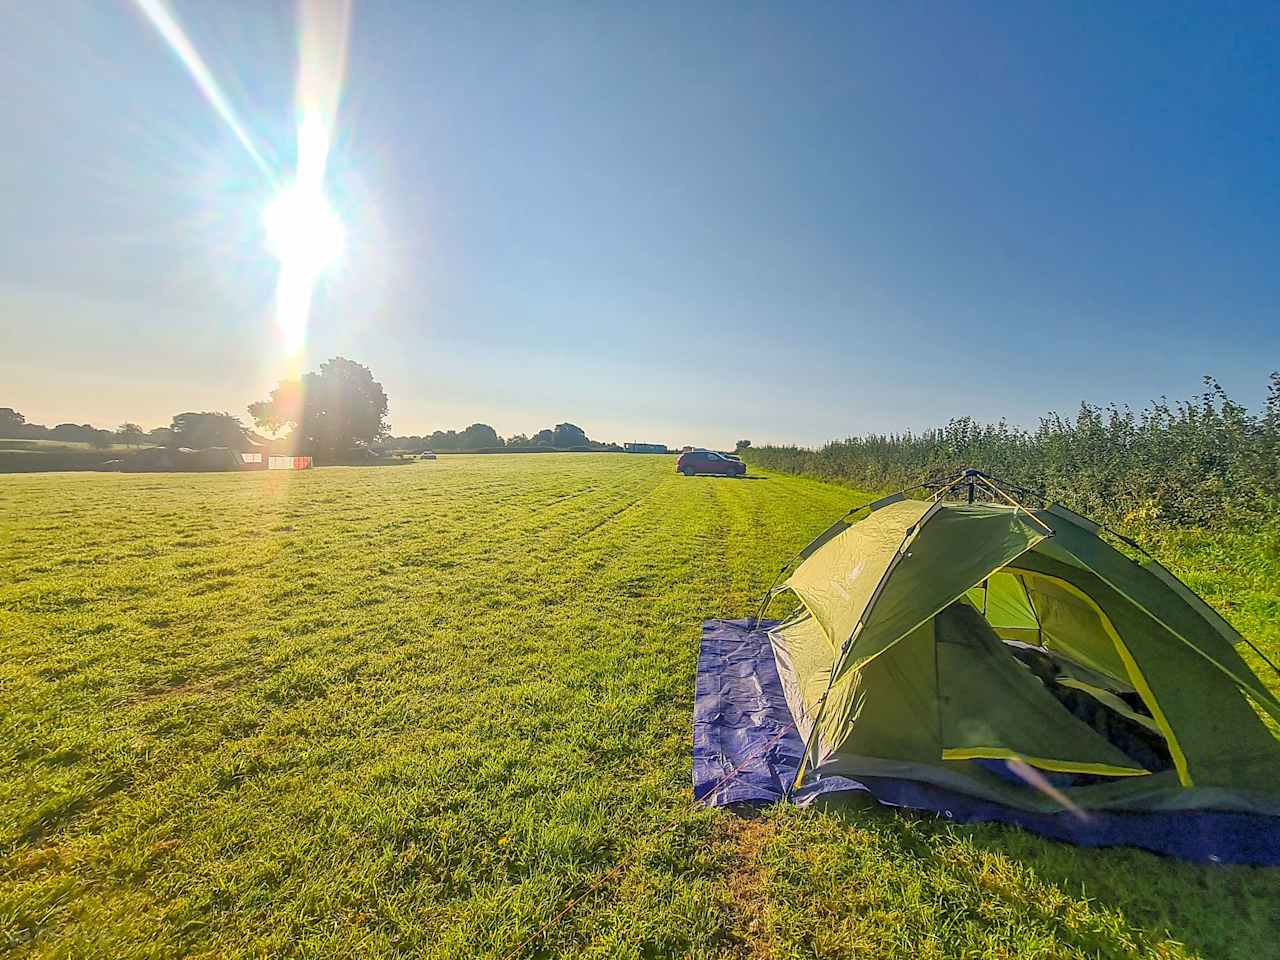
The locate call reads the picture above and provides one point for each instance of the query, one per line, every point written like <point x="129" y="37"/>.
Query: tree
<point x="517" y="440"/>
<point x="130" y="434"/>
<point x="101" y="439"/>
<point x="73" y="432"/>
<point x="161" y="436"/>
<point x="202" y="430"/>
<point x="544" y="438"/>
<point x="568" y="435"/>
<point x="444" y="440"/>
<point x="338" y="408"/>
<point x="12" y="423"/>
<point x="478" y="436"/>
<point x="741" y="445"/>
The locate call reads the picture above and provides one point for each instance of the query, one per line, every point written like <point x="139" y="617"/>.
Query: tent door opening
<point x="1067" y="644"/>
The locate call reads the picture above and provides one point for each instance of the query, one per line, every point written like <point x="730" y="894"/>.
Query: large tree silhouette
<point x="478" y="436"/>
<point x="332" y="411"/>
<point x="569" y="435"/>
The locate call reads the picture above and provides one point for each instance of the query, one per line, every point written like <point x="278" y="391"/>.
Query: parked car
<point x="427" y="455"/>
<point x="707" y="461"/>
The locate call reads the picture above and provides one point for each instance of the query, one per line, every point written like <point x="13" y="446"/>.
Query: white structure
<point x="289" y="463"/>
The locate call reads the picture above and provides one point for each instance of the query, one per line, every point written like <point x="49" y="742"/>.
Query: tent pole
<point x="995" y="488"/>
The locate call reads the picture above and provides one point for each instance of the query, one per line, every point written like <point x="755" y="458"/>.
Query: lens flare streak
<point x="303" y="233"/>
<point x="168" y="27"/>
<point x="302" y="230"/>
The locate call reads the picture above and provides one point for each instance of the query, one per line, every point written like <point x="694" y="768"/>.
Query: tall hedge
<point x="1204" y="462"/>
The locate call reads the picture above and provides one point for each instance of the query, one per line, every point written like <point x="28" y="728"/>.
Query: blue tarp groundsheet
<point x="746" y="751"/>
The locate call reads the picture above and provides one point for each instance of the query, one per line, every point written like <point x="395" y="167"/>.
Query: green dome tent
<point x="946" y="643"/>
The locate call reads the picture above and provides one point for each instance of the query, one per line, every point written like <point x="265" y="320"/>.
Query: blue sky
<point x="685" y="223"/>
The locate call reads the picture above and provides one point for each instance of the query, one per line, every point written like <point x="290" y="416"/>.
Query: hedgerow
<point x="1206" y="462"/>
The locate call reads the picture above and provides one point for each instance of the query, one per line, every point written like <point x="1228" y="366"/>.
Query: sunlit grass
<point x="411" y="711"/>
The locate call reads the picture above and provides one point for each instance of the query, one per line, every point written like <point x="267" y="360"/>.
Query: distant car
<point x="707" y="461"/>
<point x="427" y="455"/>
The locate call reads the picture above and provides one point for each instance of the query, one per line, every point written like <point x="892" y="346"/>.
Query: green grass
<point x="415" y="711"/>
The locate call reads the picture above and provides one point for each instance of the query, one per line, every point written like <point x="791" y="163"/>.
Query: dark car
<point x="706" y="461"/>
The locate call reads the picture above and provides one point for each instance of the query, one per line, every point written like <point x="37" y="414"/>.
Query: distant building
<point x="288" y="463"/>
<point x="645" y="447"/>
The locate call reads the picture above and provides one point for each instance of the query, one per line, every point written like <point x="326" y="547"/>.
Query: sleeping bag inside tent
<point x="996" y="662"/>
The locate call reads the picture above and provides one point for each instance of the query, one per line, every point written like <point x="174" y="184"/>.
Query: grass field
<point x="415" y="711"/>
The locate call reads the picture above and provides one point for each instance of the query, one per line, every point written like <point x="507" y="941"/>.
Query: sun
<point x="306" y="236"/>
<point x="303" y="232"/>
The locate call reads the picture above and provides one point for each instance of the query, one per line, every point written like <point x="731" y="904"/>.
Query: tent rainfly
<point x="979" y="647"/>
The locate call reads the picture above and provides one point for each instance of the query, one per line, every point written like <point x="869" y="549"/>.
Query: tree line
<point x="333" y="413"/>
<point x="14" y="426"/>
<point x="1207" y="461"/>
<point x="195" y="430"/>
<point x="481" y="436"/>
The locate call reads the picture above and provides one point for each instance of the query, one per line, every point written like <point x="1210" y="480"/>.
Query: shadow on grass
<point x="1215" y="911"/>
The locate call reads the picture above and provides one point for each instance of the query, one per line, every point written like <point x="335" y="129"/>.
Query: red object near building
<point x="289" y="463"/>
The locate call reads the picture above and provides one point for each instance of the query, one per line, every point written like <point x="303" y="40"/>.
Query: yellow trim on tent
<point x="1135" y="676"/>
<point x="1058" y="766"/>
<point x="1254" y="689"/>
<point x="1252" y="686"/>
<point x="1109" y="699"/>
<point x="1149" y="698"/>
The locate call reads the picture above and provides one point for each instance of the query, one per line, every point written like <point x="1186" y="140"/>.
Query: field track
<point x="416" y="710"/>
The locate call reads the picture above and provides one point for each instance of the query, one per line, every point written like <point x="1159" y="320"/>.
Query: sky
<point x="681" y="223"/>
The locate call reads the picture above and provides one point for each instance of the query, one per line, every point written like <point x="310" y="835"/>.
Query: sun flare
<point x="302" y="229"/>
<point x="305" y="234"/>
